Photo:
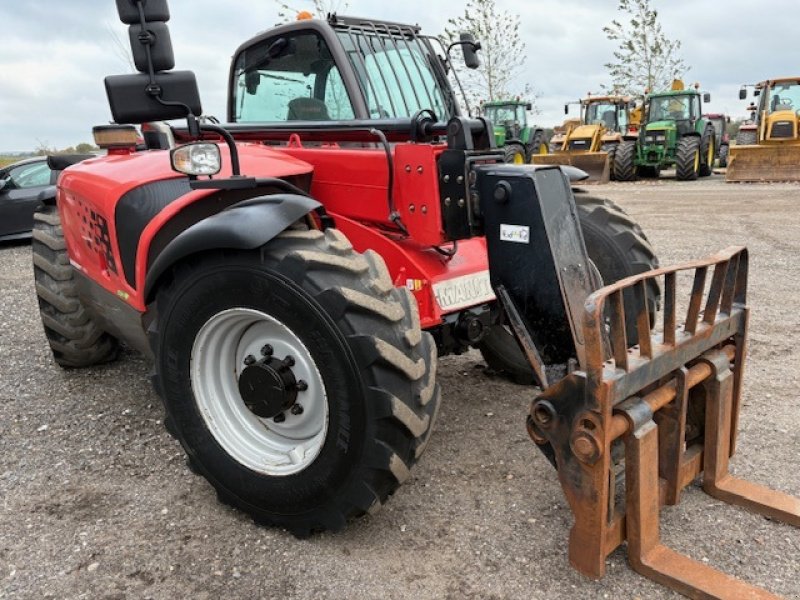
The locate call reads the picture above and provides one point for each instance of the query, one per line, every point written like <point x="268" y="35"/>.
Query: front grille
<point x="580" y="145"/>
<point x="782" y="129"/>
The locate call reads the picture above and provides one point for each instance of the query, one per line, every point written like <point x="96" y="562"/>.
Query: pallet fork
<point x="673" y="402"/>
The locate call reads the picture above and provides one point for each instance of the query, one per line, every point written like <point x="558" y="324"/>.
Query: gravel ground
<point x="96" y="501"/>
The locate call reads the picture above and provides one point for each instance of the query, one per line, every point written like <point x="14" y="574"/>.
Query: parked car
<point x="20" y="185"/>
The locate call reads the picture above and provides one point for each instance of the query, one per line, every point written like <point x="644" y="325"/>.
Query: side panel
<point x="440" y="286"/>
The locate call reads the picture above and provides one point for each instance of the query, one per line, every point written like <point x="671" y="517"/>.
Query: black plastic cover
<point x="160" y="47"/>
<point x="130" y="102"/>
<point x="154" y="10"/>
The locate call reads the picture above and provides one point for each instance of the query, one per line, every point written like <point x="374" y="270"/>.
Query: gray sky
<point x="55" y="53"/>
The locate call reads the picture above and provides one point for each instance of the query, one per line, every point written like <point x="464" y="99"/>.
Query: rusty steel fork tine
<point x="646" y="553"/>
<point x="619" y="337"/>
<point x="715" y="292"/>
<point x="696" y="299"/>
<point x="717" y="480"/>
<point x="670" y="309"/>
<point x="730" y="287"/>
<point x="643" y="320"/>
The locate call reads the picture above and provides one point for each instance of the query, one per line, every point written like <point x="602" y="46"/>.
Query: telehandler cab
<point x="299" y="372"/>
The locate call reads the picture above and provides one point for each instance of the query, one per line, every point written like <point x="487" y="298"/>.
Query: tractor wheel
<point x="687" y="158"/>
<point x="625" y="162"/>
<point x="538" y="146"/>
<point x="723" y="156"/>
<point x="296" y="377"/>
<point x="708" y="153"/>
<point x="611" y="149"/>
<point x="515" y="154"/>
<point x="619" y="248"/>
<point x="75" y="338"/>
<point x="746" y="137"/>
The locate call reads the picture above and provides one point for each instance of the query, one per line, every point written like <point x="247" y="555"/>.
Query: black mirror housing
<point x="131" y="103"/>
<point x="154" y="10"/>
<point x="160" y="43"/>
<point x="566" y="109"/>
<point x="470" y="49"/>
<point x="529" y="106"/>
<point x="742" y="94"/>
<point x="706" y="97"/>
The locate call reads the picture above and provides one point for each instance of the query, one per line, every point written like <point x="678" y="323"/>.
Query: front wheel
<point x="625" y="161"/>
<point x="296" y="378"/>
<point x="708" y="153"/>
<point x="515" y="154"/>
<point x="687" y="159"/>
<point x="619" y="248"/>
<point x="723" y="156"/>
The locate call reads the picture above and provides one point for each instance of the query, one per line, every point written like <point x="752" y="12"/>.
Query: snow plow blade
<point x="595" y="164"/>
<point x="670" y="406"/>
<point x="765" y="162"/>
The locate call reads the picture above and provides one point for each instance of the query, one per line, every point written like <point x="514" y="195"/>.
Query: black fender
<point x="47" y="197"/>
<point x="246" y="225"/>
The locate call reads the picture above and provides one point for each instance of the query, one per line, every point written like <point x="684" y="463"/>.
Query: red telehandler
<point x="293" y="273"/>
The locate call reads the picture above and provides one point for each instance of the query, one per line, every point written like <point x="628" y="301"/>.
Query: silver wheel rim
<point x="217" y="360"/>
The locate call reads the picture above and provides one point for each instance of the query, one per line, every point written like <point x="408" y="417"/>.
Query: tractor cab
<point x="510" y="119"/>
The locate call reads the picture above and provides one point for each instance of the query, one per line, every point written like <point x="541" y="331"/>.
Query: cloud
<point x="54" y="55"/>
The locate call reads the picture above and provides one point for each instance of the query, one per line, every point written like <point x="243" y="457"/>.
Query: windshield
<point x="602" y="113"/>
<point x="504" y="113"/>
<point x="396" y="72"/>
<point x="670" y="108"/>
<point x="291" y="78"/>
<point x="785" y="96"/>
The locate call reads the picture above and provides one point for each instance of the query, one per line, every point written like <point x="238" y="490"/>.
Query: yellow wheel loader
<point x="770" y="149"/>
<point x="590" y="143"/>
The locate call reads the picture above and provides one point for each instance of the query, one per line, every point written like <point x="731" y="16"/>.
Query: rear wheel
<point x="611" y="149"/>
<point x="723" y="156"/>
<point x="75" y="338"/>
<point x="515" y="154"/>
<point x="618" y="247"/>
<point x="708" y="153"/>
<point x="296" y="378"/>
<point x="538" y="146"/>
<point x="687" y="159"/>
<point x="625" y="162"/>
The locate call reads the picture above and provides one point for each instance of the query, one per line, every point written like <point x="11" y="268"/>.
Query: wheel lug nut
<point x="267" y="350"/>
<point x="301" y="386"/>
<point x="279" y="418"/>
<point x="249" y="360"/>
<point x="297" y="409"/>
<point x="288" y="361"/>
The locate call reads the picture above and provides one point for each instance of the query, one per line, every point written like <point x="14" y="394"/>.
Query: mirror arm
<point x="222" y="132"/>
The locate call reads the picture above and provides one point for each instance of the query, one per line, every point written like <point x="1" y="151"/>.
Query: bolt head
<point x="267" y="350"/>
<point x="279" y="418"/>
<point x="249" y="360"/>
<point x="297" y="409"/>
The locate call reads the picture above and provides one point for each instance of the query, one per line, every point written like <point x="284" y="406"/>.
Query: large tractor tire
<point x="746" y="137"/>
<point x="688" y="159"/>
<point x="708" y="153"/>
<point x="625" y="162"/>
<point x="296" y="378"/>
<point x="723" y="156"/>
<point x="619" y="248"/>
<point x="538" y="146"/>
<point x="75" y="338"/>
<point x="611" y="150"/>
<point x="515" y="154"/>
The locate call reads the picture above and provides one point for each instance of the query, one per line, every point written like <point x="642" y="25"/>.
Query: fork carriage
<point x="673" y="401"/>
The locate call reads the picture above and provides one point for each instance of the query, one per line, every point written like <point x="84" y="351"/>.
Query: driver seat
<point x="307" y="109"/>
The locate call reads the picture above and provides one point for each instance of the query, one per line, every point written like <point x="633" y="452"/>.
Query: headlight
<point x="661" y="138"/>
<point x="198" y="158"/>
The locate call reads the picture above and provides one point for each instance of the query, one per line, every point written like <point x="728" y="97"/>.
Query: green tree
<point x="646" y="58"/>
<point x="503" y="53"/>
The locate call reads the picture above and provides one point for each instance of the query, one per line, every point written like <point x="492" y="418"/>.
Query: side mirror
<point x="566" y="109"/>
<point x="470" y="49"/>
<point x="252" y="80"/>
<point x="742" y="94"/>
<point x="706" y="97"/>
<point x="529" y="106"/>
<point x="728" y="119"/>
<point x="154" y="10"/>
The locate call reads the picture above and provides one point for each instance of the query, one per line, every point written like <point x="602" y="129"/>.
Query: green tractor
<point x="512" y="132"/>
<point x="674" y="134"/>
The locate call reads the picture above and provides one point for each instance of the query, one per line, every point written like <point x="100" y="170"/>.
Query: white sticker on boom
<point x="521" y="234"/>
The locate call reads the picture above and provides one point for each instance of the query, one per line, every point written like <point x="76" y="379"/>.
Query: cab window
<point x="290" y="78"/>
<point x="29" y="176"/>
